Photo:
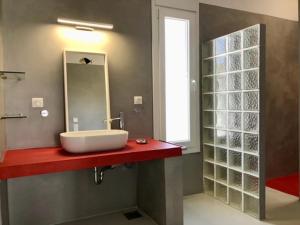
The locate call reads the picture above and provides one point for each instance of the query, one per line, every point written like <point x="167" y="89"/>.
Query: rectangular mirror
<point x="87" y="103"/>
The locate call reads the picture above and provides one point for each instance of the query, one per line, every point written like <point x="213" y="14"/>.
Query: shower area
<point x="232" y="115"/>
<point x="250" y="85"/>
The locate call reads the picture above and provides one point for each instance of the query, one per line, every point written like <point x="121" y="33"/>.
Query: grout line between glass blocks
<point x="238" y="91"/>
<point x="230" y="72"/>
<point x="230" y="52"/>
<point x="227" y="123"/>
<point x="242" y="123"/>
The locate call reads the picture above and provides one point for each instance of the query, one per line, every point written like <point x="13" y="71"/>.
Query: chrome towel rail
<point x="4" y="75"/>
<point x="13" y="116"/>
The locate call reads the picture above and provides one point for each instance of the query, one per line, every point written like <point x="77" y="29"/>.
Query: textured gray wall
<point x="2" y="125"/>
<point x="160" y="190"/>
<point x="2" y="122"/>
<point x="282" y="77"/>
<point x="192" y="174"/>
<point x="151" y="183"/>
<point x="86" y="96"/>
<point x="1" y="84"/>
<point x="56" y="198"/>
<point x="34" y="42"/>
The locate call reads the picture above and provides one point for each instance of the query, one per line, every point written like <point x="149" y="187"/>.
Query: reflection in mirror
<point x="86" y="91"/>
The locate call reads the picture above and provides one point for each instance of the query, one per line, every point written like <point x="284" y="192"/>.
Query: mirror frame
<point x="108" y="115"/>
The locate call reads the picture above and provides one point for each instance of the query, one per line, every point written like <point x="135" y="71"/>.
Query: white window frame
<point x="160" y="10"/>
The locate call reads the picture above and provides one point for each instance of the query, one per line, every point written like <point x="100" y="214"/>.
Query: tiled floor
<point x="282" y="209"/>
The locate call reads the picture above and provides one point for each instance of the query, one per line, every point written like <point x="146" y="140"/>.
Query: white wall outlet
<point x="37" y="102"/>
<point x="138" y="100"/>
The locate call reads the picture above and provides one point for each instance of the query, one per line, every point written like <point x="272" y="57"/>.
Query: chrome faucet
<point x="121" y="120"/>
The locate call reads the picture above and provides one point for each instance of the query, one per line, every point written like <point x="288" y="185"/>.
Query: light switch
<point x="138" y="100"/>
<point x="37" y="102"/>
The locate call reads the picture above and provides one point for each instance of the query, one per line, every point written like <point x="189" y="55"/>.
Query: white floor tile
<point x="282" y="209"/>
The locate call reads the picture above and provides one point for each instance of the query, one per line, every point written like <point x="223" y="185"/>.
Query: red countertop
<point x="28" y="162"/>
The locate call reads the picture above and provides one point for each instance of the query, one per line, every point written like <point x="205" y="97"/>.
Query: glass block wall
<point x="231" y="114"/>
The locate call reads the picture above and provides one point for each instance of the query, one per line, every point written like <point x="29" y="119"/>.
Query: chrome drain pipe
<point x="99" y="172"/>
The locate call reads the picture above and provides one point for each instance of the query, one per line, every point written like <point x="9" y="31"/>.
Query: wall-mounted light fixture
<point x="84" y="25"/>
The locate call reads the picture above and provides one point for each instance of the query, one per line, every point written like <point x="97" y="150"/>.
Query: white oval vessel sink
<point x="93" y="141"/>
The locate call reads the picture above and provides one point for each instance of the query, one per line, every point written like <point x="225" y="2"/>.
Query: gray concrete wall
<point x="279" y="8"/>
<point x="34" y="42"/>
<point x="151" y="182"/>
<point x="2" y="124"/>
<point x="160" y="190"/>
<point x="282" y="80"/>
<point x="192" y="174"/>
<point x="56" y="198"/>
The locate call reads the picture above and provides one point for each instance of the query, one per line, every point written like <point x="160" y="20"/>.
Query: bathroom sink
<point x="93" y="141"/>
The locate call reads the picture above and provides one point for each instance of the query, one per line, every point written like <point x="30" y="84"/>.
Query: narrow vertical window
<point x="177" y="79"/>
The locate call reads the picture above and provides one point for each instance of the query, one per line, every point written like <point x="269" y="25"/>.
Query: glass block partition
<point x="231" y="116"/>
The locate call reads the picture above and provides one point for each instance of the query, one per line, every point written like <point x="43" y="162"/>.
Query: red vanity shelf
<point x="29" y="162"/>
